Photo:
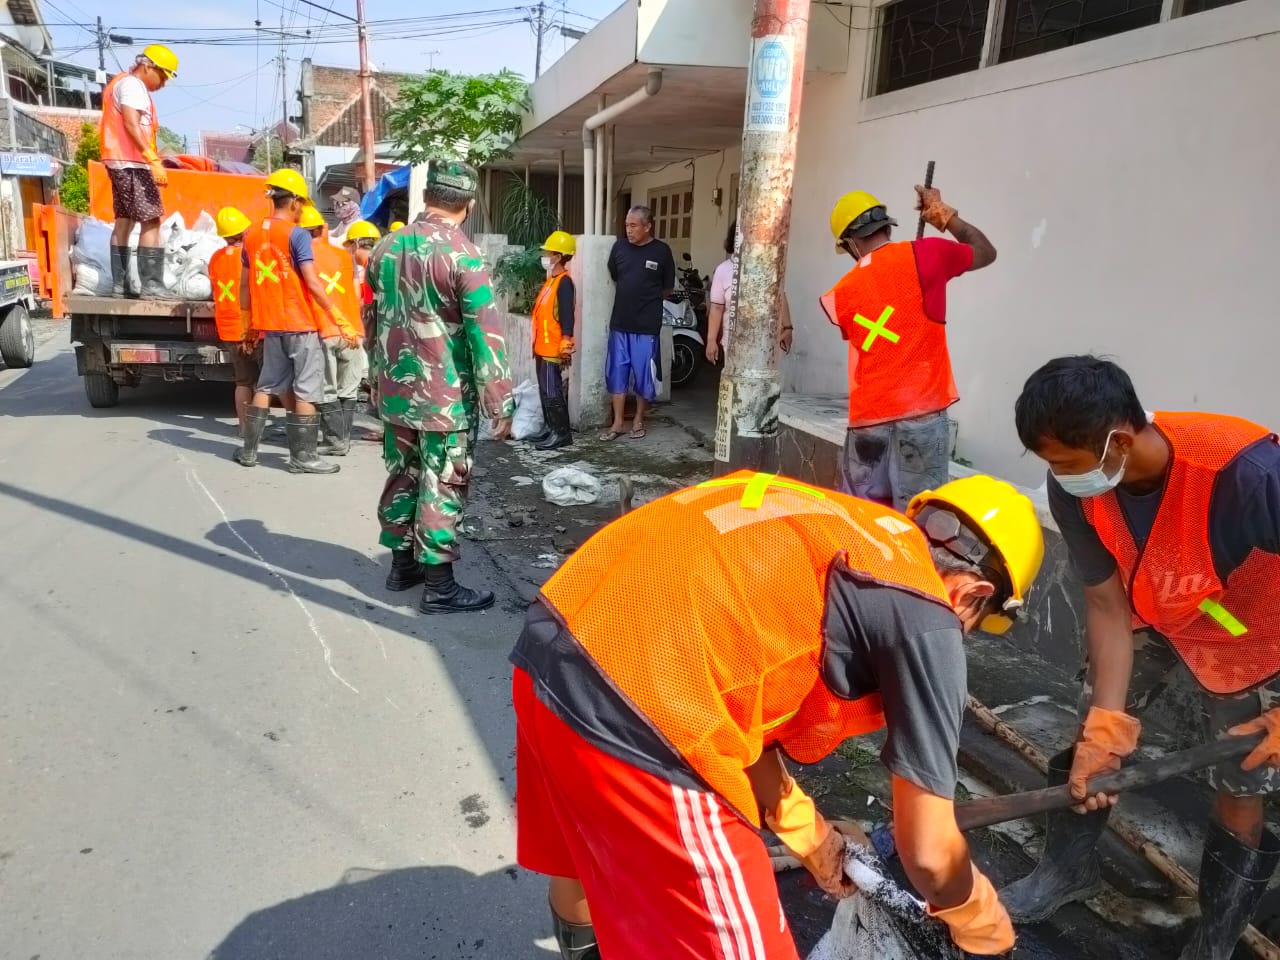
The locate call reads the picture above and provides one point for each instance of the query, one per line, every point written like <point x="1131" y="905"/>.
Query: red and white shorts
<point x="670" y="873"/>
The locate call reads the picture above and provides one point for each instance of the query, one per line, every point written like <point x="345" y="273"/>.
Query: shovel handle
<point x="928" y="182"/>
<point x="1015" y="806"/>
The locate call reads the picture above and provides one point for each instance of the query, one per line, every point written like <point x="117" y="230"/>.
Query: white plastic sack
<point x="570" y="487"/>
<point x="91" y="258"/>
<point x="194" y="286"/>
<point x="528" y="420"/>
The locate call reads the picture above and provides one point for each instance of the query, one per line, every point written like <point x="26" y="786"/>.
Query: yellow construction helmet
<point x="364" y="230"/>
<point x="231" y="222"/>
<point x="310" y="219"/>
<point x="164" y="59"/>
<point x="561" y="243"/>
<point x="1005" y="518"/>
<point x="855" y="206"/>
<point x="397" y="225"/>
<point x="290" y="181"/>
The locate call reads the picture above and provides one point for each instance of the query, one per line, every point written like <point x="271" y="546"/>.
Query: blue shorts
<point x="630" y="364"/>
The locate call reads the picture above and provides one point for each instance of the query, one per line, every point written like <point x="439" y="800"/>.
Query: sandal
<point x="610" y="435"/>
<point x="639" y="433"/>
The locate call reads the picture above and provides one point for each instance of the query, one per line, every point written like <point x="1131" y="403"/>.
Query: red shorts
<point x="670" y="873"/>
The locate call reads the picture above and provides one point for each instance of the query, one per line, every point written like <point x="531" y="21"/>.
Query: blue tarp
<point x="375" y="207"/>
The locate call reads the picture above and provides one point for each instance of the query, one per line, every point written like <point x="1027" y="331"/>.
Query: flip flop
<point x="639" y="434"/>
<point x="609" y="435"/>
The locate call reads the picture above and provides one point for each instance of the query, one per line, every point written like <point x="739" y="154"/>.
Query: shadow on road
<point x="405" y="914"/>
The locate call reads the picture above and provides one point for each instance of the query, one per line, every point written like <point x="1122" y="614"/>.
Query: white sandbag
<point x="89" y="281"/>
<point x="194" y="286"/>
<point x="527" y="421"/>
<point x="570" y="487"/>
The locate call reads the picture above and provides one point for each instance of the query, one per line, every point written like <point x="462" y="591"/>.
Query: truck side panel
<point x="189" y="192"/>
<point x="55" y="234"/>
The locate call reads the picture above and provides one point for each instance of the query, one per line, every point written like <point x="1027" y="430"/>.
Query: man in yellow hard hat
<point x="644" y="777"/>
<point x="553" y="312"/>
<point x="892" y="308"/>
<point x="230" y="313"/>
<point x="128" y="134"/>
<point x="395" y="225"/>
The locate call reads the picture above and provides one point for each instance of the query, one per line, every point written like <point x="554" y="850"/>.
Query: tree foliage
<point x="170" y="140"/>
<point x="458" y="116"/>
<point x="268" y="153"/>
<point x="74" y="191"/>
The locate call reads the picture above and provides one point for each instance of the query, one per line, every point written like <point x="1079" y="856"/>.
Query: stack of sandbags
<point x="186" y="259"/>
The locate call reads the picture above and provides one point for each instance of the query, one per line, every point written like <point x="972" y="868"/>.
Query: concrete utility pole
<point x="747" y="421"/>
<point x="540" y="28"/>
<point x="366" y="101"/>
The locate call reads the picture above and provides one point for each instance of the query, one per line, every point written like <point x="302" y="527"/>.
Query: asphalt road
<point x="220" y="736"/>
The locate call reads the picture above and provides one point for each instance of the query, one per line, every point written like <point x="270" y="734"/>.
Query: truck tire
<point x="17" y="341"/>
<point x="101" y="390"/>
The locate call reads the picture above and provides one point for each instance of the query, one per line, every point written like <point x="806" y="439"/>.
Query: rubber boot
<point x="255" y="421"/>
<point x="304" y="435"/>
<point x="577" y="941"/>
<point x="349" y="419"/>
<point x="1233" y="878"/>
<point x="545" y="432"/>
<point x="558" y="416"/>
<point x="1068" y="870"/>
<point x="120" y="285"/>
<point x="443" y="594"/>
<point x="151" y="273"/>
<point x="331" y="427"/>
<point x="406" y="572"/>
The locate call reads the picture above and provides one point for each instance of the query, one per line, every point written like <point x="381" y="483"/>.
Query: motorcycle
<point x="686" y="314"/>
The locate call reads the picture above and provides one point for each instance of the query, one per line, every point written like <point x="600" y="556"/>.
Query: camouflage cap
<point x="453" y="174"/>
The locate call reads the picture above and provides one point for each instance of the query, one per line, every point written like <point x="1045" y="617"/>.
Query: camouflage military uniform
<point x="441" y="367"/>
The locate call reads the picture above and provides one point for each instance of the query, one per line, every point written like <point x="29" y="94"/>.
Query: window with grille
<point x="923" y="40"/>
<point x="1037" y="26"/>
<point x="1200" y="6"/>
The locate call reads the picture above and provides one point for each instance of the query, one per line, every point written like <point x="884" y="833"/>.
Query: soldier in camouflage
<point x="440" y="366"/>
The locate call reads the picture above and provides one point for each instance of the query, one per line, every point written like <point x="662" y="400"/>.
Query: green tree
<point x="458" y="116"/>
<point x="268" y="153"/>
<point x="167" y="139"/>
<point x="74" y="191"/>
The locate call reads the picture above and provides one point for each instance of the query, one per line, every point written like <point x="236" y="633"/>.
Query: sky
<point x="228" y="74"/>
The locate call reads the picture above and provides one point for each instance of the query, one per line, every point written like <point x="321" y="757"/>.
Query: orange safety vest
<point x="116" y="142"/>
<point x="899" y="366"/>
<point x="337" y="272"/>
<point x="225" y="269"/>
<point x="278" y="299"/>
<point x="546" y="319"/>
<point x="1227" y="635"/>
<point x="721" y="647"/>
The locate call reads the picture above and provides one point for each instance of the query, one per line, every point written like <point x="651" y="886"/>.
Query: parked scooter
<point x="686" y="314"/>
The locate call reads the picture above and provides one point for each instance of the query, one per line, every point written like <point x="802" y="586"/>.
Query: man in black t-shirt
<point x="645" y="273"/>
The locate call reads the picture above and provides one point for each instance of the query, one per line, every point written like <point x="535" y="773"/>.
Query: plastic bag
<point x="528" y="420"/>
<point x="570" y="487"/>
<point x="91" y="258"/>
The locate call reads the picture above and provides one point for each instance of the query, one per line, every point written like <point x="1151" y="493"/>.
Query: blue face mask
<point x="1096" y="482"/>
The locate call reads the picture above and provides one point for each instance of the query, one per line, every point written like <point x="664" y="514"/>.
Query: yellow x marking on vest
<point x="756" y="486"/>
<point x="1223" y="617"/>
<point x="877" y="329"/>
<point x="224" y="290"/>
<point x="332" y="282"/>
<point x="266" y="271"/>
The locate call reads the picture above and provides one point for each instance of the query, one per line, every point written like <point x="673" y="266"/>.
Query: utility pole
<point x="366" y="101"/>
<point x="540" y="29"/>
<point x="102" y="47"/>
<point x="747" y="417"/>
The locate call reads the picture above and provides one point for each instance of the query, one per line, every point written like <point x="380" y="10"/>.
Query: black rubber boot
<point x="406" y="572"/>
<point x="151" y="273"/>
<point x="304" y="435"/>
<point x="558" y="416"/>
<point x="577" y="941"/>
<point x="255" y="421"/>
<point x="331" y="427"/>
<point x="348" y="419"/>
<point x="1068" y="868"/>
<point x="120" y="285"/>
<point x="443" y="594"/>
<point x="1233" y="878"/>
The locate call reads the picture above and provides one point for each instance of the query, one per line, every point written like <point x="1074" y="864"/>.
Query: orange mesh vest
<point x="277" y="298"/>
<point x="719" y="644"/>
<point x="338" y="274"/>
<point x="898" y="361"/>
<point x="546" y="319"/>
<point x="1228" y="635"/>
<point x="116" y="142"/>
<point x="225" y="267"/>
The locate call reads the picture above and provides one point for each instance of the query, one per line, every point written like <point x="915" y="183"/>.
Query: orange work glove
<point x="566" y="348"/>
<point x="980" y="925"/>
<point x="936" y="213"/>
<point x="1109" y="735"/>
<point x="1268" y="751"/>
<point x="806" y="834"/>
<point x="158" y="172"/>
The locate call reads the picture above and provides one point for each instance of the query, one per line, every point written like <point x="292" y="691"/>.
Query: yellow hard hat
<point x="562" y="243"/>
<point x="397" y="225"/>
<point x="290" y="181"/>
<point x="310" y="219"/>
<point x="1008" y="521"/>
<point x="231" y="222"/>
<point x="363" y="230"/>
<point x="850" y="207"/>
<point x="165" y="60"/>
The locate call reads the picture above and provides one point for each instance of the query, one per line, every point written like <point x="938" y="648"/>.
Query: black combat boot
<point x="1068" y="870"/>
<point x="304" y="435"/>
<point x="151" y="273"/>
<point x="1233" y="878"/>
<point x="331" y="428"/>
<point x="443" y="594"/>
<point x="561" y="434"/>
<point x="577" y="941"/>
<point x="120" y="285"/>
<point x="255" y="421"/>
<point x="406" y="572"/>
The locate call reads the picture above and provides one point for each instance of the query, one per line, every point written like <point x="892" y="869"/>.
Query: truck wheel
<point x="101" y="390"/>
<point x="17" y="341"/>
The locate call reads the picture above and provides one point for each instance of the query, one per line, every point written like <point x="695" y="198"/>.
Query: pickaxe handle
<point x="928" y="182"/>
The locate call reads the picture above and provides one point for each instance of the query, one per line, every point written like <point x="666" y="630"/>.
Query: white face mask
<point x="546" y="264"/>
<point x="1096" y="482"/>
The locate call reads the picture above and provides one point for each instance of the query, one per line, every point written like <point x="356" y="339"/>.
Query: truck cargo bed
<point x="82" y="304"/>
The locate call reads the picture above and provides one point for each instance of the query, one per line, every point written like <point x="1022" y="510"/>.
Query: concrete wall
<point x="1122" y="181"/>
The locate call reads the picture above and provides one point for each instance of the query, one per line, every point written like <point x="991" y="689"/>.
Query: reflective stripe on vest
<point x="225" y="269"/>
<point x="278" y="300"/>
<point x="720" y="645"/>
<point x="899" y="366"/>
<point x="1228" y="635"/>
<point x="336" y="270"/>
<point x="546" y="319"/>
<point x="116" y="142"/>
